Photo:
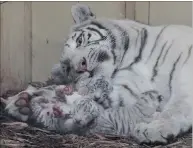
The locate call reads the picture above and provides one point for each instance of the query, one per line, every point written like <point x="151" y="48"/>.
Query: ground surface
<point x="18" y="134"/>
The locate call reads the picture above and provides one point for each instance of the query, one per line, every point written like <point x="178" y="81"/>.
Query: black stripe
<point x="93" y="42"/>
<point x="136" y="41"/>
<point x="166" y="53"/>
<point x="102" y="56"/>
<point x="172" y="72"/>
<point x="156" y="64"/>
<point x="95" y="30"/>
<point x="84" y="38"/>
<point x="189" y="54"/>
<point x="156" y="41"/>
<point x="98" y="25"/>
<point x="90" y="52"/>
<point x="131" y="91"/>
<point x="110" y="34"/>
<point x="114" y="56"/>
<point x="138" y="34"/>
<point x="113" y="40"/>
<point x="124" y="39"/>
<point x="126" y="44"/>
<point x="114" y="73"/>
<point x="89" y="35"/>
<point x="96" y="56"/>
<point x="143" y="43"/>
<point x="92" y="55"/>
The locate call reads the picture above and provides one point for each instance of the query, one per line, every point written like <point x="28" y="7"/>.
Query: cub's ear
<point x="81" y="13"/>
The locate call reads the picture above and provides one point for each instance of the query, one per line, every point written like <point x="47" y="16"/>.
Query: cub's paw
<point x="63" y="90"/>
<point x="18" y="106"/>
<point x="155" y="132"/>
<point x="58" y="112"/>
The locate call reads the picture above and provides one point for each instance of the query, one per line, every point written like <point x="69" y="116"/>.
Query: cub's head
<point x="90" y="44"/>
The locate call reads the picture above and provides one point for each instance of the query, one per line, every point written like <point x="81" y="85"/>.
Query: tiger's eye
<point x="79" y="41"/>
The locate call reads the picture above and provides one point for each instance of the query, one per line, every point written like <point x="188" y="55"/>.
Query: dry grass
<point x="18" y="135"/>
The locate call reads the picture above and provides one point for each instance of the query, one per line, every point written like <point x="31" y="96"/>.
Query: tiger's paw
<point x="63" y="90"/>
<point x="155" y="132"/>
<point x="57" y="112"/>
<point x="18" y="106"/>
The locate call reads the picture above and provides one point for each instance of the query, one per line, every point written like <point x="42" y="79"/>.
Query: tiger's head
<point x="90" y="45"/>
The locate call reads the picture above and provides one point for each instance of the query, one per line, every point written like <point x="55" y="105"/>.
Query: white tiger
<point x="138" y="59"/>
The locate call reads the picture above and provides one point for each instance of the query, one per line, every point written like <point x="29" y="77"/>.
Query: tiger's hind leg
<point x="174" y="120"/>
<point x="176" y="117"/>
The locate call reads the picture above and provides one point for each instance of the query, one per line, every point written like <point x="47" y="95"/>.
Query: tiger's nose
<point x="82" y="66"/>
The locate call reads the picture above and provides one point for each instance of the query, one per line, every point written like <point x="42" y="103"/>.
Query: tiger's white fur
<point x="138" y="59"/>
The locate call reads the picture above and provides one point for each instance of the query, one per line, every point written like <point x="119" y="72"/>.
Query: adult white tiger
<point x="138" y="58"/>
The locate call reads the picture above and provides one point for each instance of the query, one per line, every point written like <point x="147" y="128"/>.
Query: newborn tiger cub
<point x="43" y="105"/>
<point x="44" y="102"/>
<point x="59" y="109"/>
<point x="97" y="88"/>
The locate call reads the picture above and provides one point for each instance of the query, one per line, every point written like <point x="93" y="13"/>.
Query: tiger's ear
<point x="81" y="13"/>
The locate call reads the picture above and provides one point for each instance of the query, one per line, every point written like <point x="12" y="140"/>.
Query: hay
<point x="19" y="135"/>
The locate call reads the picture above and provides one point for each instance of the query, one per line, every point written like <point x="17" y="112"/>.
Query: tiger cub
<point x="57" y="108"/>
